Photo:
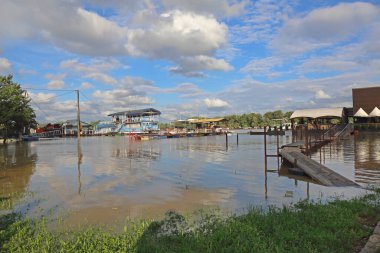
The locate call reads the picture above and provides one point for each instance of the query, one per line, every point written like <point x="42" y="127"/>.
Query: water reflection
<point x="17" y="163"/>
<point x="367" y="158"/>
<point x="106" y="179"/>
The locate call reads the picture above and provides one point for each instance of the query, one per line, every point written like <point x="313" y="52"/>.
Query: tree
<point x="16" y="115"/>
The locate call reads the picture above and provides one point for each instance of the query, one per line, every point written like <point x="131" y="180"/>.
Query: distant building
<point x="366" y="102"/>
<point x="70" y="127"/>
<point x="141" y="121"/>
<point x="366" y="98"/>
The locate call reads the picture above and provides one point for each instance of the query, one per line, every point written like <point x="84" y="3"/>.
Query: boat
<point x="30" y="138"/>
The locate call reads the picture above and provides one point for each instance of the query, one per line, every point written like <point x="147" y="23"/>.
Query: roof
<point x="137" y="113"/>
<point x="361" y="113"/>
<point x="375" y="112"/>
<point x="74" y="122"/>
<point x="319" y="113"/>
<point x="211" y="120"/>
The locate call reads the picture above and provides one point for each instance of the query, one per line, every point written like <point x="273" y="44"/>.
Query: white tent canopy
<point x="375" y="112"/>
<point x="361" y="113"/>
<point x="319" y="113"/>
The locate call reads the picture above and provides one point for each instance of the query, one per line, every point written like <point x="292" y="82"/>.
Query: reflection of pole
<point x="266" y="178"/>
<point x="80" y="155"/>
<point x="78" y="114"/>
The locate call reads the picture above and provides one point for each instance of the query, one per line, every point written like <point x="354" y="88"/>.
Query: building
<point x="366" y="104"/>
<point x="141" y="121"/>
<point x="70" y="127"/>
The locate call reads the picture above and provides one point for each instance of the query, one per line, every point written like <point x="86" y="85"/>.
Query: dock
<point x="293" y="153"/>
<point x="315" y="170"/>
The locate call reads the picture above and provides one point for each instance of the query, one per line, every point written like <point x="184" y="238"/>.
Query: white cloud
<point x="215" y="104"/>
<point x="42" y="98"/>
<point x="262" y="66"/>
<point x="215" y="7"/>
<point x="260" y="21"/>
<point x="178" y="33"/>
<point x="56" y="84"/>
<point x="63" y="23"/>
<point x="5" y="66"/>
<point x="86" y="85"/>
<point x="325" y="26"/>
<point x="320" y="94"/>
<point x="134" y="82"/>
<point x="102" y="78"/>
<point x="94" y="65"/>
<point x="121" y="98"/>
<point x="68" y="25"/>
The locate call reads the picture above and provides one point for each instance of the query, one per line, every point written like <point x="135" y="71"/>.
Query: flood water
<point x="106" y="180"/>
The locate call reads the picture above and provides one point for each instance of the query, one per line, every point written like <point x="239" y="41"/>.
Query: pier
<point x="294" y="154"/>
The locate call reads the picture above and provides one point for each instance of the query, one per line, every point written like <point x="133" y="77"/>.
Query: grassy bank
<point x="340" y="226"/>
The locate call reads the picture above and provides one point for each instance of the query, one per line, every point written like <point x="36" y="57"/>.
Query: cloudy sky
<point x="186" y="58"/>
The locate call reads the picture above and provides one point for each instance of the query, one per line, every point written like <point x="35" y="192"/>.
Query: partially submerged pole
<point x="265" y="141"/>
<point x="237" y="139"/>
<point x="78" y="114"/>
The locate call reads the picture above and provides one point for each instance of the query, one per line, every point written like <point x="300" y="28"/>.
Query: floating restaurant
<point x="143" y="121"/>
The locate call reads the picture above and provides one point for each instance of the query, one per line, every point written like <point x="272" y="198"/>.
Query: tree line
<point x="272" y="118"/>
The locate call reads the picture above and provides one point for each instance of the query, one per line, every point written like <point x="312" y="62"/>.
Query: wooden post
<point x="237" y="139"/>
<point x="78" y="114"/>
<point x="265" y="141"/>
<point x="226" y="140"/>
<point x="278" y="143"/>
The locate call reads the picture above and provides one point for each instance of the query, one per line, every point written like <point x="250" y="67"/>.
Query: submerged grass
<point x="339" y="226"/>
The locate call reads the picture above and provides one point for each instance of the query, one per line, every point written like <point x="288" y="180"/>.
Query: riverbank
<point x="339" y="226"/>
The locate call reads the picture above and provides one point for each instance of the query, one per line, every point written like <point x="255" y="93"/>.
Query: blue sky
<point x="186" y="58"/>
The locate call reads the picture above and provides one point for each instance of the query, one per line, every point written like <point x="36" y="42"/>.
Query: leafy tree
<point x="16" y="115"/>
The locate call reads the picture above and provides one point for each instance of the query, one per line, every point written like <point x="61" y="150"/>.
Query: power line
<point x="47" y="99"/>
<point x="46" y="89"/>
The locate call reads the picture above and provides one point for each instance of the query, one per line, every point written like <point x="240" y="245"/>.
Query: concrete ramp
<point x="315" y="170"/>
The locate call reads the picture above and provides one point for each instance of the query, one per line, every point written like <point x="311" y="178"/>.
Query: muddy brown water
<point x="106" y="180"/>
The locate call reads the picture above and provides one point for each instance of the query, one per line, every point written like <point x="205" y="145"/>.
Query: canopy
<point x="318" y="113"/>
<point x="137" y="113"/>
<point x="375" y="112"/>
<point x="361" y="113"/>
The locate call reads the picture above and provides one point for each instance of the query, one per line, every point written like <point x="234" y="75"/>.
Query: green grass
<point x="339" y="226"/>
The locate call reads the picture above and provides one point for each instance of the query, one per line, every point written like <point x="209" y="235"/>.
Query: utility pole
<point x="78" y="114"/>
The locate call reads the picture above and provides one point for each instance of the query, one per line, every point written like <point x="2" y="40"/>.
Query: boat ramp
<point x="294" y="153"/>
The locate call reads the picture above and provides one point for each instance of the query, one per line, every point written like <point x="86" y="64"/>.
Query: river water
<point x="104" y="180"/>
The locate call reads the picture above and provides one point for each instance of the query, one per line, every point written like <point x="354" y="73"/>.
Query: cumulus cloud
<point x="56" y="84"/>
<point x="42" y="98"/>
<point x="192" y="66"/>
<point x="5" y="66"/>
<point x="170" y="35"/>
<point x="178" y="33"/>
<point x="102" y="78"/>
<point x="134" y="82"/>
<point x="121" y="98"/>
<point x="222" y="8"/>
<point x="215" y="104"/>
<point x="325" y="26"/>
<point x="320" y="94"/>
<point x="63" y="23"/>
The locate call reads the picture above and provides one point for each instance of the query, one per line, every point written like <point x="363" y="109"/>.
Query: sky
<point x="188" y="58"/>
